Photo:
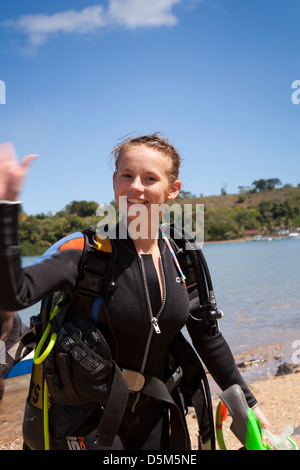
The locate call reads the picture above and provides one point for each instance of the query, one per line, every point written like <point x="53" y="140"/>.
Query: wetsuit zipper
<point x="154" y="320"/>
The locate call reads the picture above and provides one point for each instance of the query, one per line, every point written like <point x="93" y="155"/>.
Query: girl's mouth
<point x="132" y="200"/>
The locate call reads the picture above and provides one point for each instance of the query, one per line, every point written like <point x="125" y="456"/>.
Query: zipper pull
<point x="155" y="325"/>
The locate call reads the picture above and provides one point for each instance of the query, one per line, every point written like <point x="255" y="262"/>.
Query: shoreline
<point x="245" y="239"/>
<point x="278" y="397"/>
<point x="232" y="240"/>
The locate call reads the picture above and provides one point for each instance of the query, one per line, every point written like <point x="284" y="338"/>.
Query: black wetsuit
<point x="129" y="316"/>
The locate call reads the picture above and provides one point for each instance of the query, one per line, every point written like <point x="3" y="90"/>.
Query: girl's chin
<point x="136" y="217"/>
<point x="138" y="205"/>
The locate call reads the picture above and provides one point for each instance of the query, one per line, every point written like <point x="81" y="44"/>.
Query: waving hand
<point x="12" y="173"/>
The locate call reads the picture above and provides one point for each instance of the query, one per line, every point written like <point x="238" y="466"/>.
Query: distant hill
<point x="247" y="199"/>
<point x="232" y="216"/>
<point x="226" y="217"/>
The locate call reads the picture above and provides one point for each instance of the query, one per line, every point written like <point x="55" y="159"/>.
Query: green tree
<point x="30" y="230"/>
<point x="76" y="223"/>
<point x="185" y="194"/>
<point x="266" y="185"/>
<point x="82" y="208"/>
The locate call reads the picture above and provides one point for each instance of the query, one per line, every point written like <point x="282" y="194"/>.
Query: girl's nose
<point x="137" y="184"/>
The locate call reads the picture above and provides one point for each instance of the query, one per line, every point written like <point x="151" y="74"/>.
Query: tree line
<point x="38" y="232"/>
<point x="265" y="218"/>
<point x="261" y="185"/>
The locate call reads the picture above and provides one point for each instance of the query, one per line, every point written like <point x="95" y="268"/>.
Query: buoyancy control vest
<point x="74" y="372"/>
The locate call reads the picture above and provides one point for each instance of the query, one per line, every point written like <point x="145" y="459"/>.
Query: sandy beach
<point x="277" y="395"/>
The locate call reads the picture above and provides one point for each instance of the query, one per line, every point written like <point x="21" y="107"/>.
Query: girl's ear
<point x="174" y="189"/>
<point x="114" y="179"/>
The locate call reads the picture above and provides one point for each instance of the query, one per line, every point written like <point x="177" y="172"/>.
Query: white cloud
<point x="40" y="27"/>
<point x="127" y="13"/>
<point x="141" y="13"/>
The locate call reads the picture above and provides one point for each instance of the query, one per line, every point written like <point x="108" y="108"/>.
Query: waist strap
<point x="158" y="390"/>
<point x="136" y="380"/>
<point x="179" y="439"/>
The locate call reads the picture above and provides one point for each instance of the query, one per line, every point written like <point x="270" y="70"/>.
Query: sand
<point x="279" y="397"/>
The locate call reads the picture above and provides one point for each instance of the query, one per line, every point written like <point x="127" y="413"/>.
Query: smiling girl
<point x="150" y="304"/>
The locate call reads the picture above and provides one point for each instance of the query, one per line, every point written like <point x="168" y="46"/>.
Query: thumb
<point x="19" y="174"/>
<point x="27" y="160"/>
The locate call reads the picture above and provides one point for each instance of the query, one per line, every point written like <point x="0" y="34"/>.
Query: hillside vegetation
<point x="249" y="199"/>
<point x="227" y="217"/>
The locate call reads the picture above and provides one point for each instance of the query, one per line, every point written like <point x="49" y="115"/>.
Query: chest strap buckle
<point x="135" y="380"/>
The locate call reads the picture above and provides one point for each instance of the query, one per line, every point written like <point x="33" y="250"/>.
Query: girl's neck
<point x="146" y="246"/>
<point x="145" y="238"/>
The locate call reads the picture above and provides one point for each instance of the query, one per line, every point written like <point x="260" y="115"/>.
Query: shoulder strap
<point x="94" y="276"/>
<point x="94" y="266"/>
<point x="203" y="306"/>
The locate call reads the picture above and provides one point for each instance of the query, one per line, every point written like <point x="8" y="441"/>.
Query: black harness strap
<point x="155" y="388"/>
<point x="204" y="437"/>
<point x="114" y="410"/>
<point x="94" y="275"/>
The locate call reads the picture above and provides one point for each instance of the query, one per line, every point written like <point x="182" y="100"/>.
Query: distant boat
<point x="260" y="238"/>
<point x="294" y="235"/>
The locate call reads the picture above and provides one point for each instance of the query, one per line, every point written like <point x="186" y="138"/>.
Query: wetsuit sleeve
<point x="217" y="356"/>
<point x="57" y="269"/>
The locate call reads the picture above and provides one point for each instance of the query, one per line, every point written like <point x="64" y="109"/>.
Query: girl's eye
<point x="151" y="178"/>
<point x="129" y="176"/>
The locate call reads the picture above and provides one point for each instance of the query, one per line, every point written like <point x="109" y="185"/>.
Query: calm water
<point x="257" y="287"/>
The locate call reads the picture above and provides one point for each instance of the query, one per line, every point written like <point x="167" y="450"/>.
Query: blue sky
<point x="214" y="76"/>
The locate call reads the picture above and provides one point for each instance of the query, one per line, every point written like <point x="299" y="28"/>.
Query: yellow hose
<point x="38" y="359"/>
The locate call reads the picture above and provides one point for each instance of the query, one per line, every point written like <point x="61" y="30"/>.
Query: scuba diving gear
<point x="58" y="366"/>
<point x="78" y="368"/>
<point x="80" y="371"/>
<point x="203" y="306"/>
<point x="62" y="269"/>
<point x="245" y="425"/>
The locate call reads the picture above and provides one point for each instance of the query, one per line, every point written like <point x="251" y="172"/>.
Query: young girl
<point x="149" y="306"/>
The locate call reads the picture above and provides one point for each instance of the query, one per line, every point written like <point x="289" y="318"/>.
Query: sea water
<point x="256" y="284"/>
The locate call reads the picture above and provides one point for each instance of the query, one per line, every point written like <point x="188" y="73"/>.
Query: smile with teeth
<point x="135" y="201"/>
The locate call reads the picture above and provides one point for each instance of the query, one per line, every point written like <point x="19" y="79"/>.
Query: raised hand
<point x="12" y="173"/>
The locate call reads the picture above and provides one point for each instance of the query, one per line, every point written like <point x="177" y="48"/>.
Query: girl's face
<point x="142" y="176"/>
